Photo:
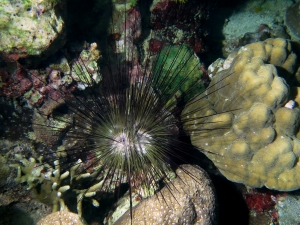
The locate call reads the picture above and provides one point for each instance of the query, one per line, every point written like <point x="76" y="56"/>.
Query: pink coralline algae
<point x="156" y="45"/>
<point x="259" y="202"/>
<point x="34" y="86"/>
<point x="133" y="23"/>
<point x="14" y="85"/>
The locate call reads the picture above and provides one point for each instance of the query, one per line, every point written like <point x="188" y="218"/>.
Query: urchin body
<point x="131" y="134"/>
<point x="127" y="141"/>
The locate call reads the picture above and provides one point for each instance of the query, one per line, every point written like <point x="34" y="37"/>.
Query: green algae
<point x="178" y="70"/>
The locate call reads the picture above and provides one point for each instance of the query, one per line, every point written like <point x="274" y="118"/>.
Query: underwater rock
<point x="4" y="171"/>
<point x="181" y="23"/>
<point x="244" y="25"/>
<point x="292" y="21"/>
<point x="244" y="127"/>
<point x="189" y="199"/>
<point x="31" y="29"/>
<point x="288" y="209"/>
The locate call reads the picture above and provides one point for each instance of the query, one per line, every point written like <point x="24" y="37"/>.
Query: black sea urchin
<point x="127" y="128"/>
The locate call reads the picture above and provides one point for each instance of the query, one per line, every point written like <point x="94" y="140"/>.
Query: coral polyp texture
<point x="194" y="202"/>
<point x="62" y="217"/>
<point x="259" y="143"/>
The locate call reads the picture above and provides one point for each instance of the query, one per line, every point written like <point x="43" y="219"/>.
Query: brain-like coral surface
<point x="61" y="217"/>
<point x="247" y="122"/>
<point x="189" y="199"/>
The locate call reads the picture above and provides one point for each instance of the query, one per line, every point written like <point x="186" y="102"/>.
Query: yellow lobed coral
<point x="246" y="122"/>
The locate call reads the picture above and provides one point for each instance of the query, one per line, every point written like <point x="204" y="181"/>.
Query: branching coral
<point x="29" y="171"/>
<point x="51" y="186"/>
<point x="245" y="126"/>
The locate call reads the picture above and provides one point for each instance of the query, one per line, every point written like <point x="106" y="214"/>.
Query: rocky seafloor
<point x="250" y="172"/>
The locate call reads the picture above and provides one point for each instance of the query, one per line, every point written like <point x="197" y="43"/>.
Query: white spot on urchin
<point x="290" y="104"/>
<point x="124" y="143"/>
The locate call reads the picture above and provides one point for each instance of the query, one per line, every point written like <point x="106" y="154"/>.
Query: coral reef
<point x="180" y="23"/>
<point x="47" y="89"/>
<point x="247" y="122"/>
<point x="29" y="171"/>
<point x="30" y="28"/>
<point x="242" y="122"/>
<point x="62" y="217"/>
<point x="189" y="199"/>
<point x="53" y="187"/>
